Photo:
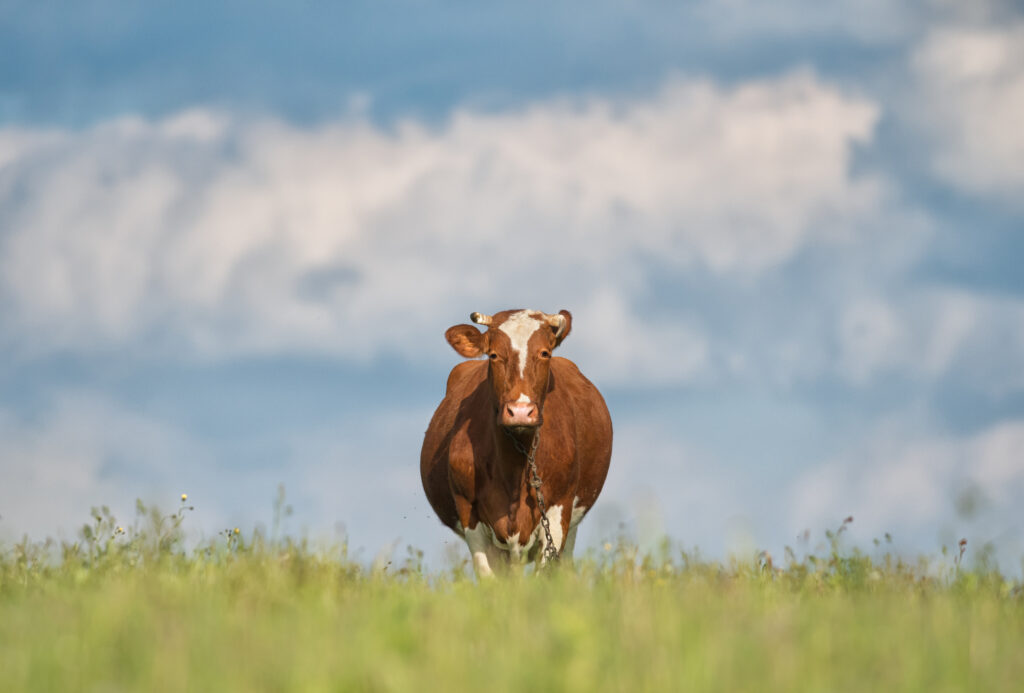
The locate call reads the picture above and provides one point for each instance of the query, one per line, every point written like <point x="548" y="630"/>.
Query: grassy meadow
<point x="129" y="609"/>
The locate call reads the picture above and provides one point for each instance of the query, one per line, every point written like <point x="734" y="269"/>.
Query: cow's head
<point x="518" y="344"/>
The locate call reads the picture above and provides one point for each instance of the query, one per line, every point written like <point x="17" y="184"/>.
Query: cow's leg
<point x="570" y="544"/>
<point x="578" y="511"/>
<point x="486" y="556"/>
<point x="558" y="521"/>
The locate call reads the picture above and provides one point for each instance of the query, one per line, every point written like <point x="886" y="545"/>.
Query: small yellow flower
<point x="184" y="497"/>
<point x="607" y="546"/>
<point x="237" y="531"/>
<point x="120" y="530"/>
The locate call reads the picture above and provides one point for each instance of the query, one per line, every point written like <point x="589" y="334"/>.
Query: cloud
<point x="970" y="82"/>
<point x="210" y="235"/>
<point x="604" y="321"/>
<point x="910" y="484"/>
<point x="927" y="333"/>
<point x="666" y="486"/>
<point x="213" y="235"/>
<point x="84" y="450"/>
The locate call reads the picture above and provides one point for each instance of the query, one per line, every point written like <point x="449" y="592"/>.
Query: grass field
<point x="131" y="610"/>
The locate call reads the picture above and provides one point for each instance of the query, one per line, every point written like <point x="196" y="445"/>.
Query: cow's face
<point x="518" y="345"/>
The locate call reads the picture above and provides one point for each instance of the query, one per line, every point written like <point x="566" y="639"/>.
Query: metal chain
<point x="550" y="552"/>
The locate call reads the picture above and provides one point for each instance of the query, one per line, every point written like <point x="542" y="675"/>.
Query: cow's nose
<point x="520" y="414"/>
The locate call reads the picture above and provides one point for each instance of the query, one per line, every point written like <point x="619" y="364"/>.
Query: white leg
<point x="482" y="549"/>
<point x="570" y="544"/>
<point x="578" y="511"/>
<point x="554" y="514"/>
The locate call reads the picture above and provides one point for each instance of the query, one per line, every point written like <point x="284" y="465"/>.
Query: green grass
<point x="133" y="611"/>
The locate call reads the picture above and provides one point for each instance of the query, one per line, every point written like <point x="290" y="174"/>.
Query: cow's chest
<point x="508" y="515"/>
<point x="518" y="544"/>
<point x="519" y="536"/>
<point x="520" y="533"/>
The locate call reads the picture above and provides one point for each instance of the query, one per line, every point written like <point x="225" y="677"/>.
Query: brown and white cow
<point x="475" y="477"/>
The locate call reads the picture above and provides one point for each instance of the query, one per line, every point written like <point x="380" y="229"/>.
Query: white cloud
<point x="209" y="235"/>
<point x="927" y="333"/>
<point x="653" y="350"/>
<point x="82" y="451"/>
<point x="909" y="484"/>
<point x="971" y="102"/>
<point x="869" y="332"/>
<point x="216" y="235"/>
<point x="668" y="486"/>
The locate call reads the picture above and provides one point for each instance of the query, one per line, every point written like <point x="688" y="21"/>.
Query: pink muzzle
<point x="520" y="414"/>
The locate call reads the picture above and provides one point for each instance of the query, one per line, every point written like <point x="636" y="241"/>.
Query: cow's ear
<point x="562" y="333"/>
<point x="467" y="340"/>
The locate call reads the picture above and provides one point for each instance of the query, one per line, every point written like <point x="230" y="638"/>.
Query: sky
<point x="232" y="236"/>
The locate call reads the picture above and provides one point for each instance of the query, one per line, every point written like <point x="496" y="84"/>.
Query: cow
<point x="475" y="457"/>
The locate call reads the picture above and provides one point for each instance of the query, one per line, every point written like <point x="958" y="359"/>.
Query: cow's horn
<point x="557" y="321"/>
<point x="480" y="318"/>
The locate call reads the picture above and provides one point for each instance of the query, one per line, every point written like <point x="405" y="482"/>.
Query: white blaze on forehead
<point x="523" y="399"/>
<point x="520" y="327"/>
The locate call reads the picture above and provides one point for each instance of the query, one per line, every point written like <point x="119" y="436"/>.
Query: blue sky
<point x="231" y="239"/>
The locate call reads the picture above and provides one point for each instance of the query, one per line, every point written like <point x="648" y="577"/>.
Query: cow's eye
<point x="545" y="354"/>
<point x="492" y="356"/>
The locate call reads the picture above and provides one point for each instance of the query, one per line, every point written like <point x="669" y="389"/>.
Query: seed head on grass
<point x="960" y="557"/>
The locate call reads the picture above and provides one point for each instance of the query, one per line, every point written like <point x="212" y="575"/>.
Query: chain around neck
<point x="551" y="553"/>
